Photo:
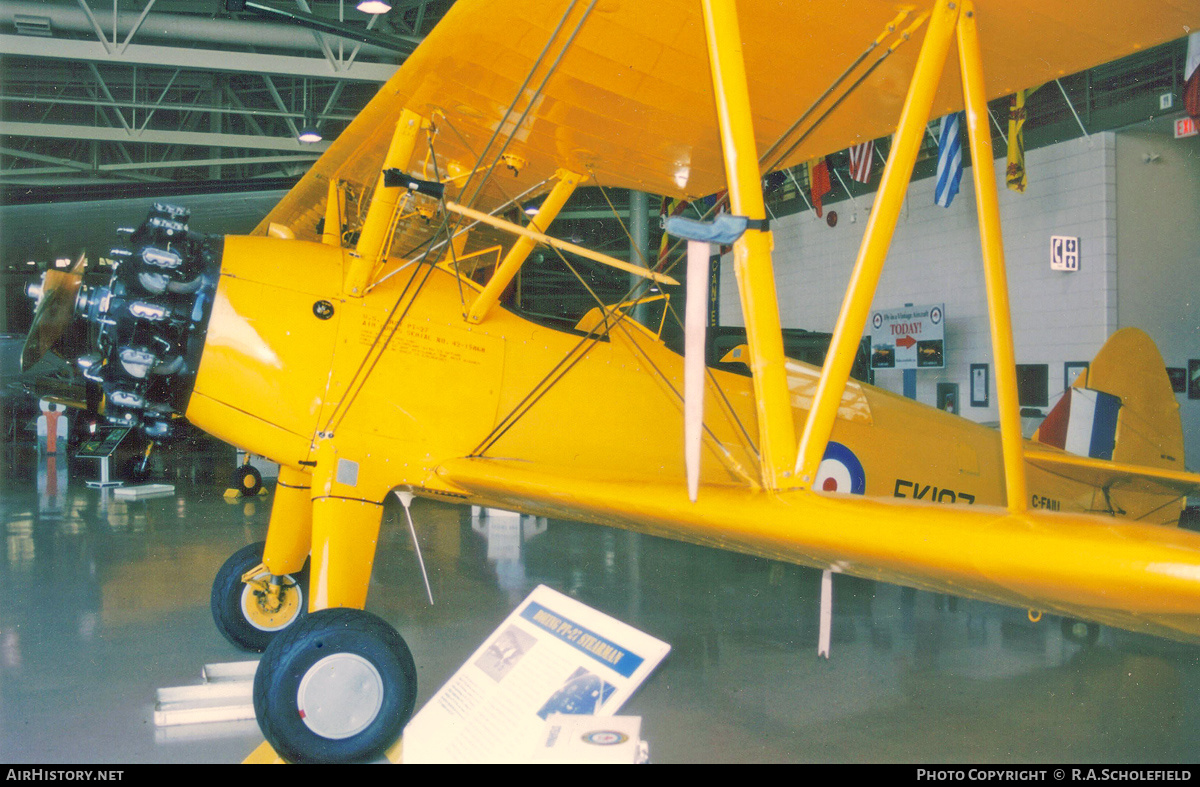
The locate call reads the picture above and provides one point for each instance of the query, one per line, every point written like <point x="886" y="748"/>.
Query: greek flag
<point x="949" y="165"/>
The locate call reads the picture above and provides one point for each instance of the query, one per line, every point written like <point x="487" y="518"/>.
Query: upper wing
<point x="1134" y="576"/>
<point x="629" y="97"/>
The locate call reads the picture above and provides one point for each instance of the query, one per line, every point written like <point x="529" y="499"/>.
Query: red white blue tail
<point x="1084" y="422"/>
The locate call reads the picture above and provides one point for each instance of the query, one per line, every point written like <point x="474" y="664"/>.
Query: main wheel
<point x="339" y="686"/>
<point x="247" y="480"/>
<point x="245" y="613"/>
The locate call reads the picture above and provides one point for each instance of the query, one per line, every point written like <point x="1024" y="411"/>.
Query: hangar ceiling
<point x="174" y="92"/>
<point x="102" y="100"/>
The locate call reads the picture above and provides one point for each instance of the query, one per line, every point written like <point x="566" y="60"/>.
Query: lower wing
<point x="1125" y="574"/>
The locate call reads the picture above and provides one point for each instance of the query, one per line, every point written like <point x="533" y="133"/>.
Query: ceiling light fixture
<point x="374" y="7"/>
<point x="309" y="132"/>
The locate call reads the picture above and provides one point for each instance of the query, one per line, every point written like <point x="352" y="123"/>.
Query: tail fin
<point x="1123" y="409"/>
<point x="1149" y="430"/>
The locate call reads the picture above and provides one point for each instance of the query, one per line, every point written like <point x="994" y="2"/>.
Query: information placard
<point x="553" y="654"/>
<point x="102" y="443"/>
<point x="908" y="337"/>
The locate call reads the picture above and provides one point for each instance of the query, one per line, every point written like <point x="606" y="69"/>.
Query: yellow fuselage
<point x="274" y="376"/>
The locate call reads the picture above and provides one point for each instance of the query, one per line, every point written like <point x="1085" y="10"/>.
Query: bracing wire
<point x="374" y="352"/>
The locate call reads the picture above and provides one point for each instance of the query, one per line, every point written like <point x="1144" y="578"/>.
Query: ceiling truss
<point x="111" y="91"/>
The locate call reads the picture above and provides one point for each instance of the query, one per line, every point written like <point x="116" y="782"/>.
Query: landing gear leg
<point x="340" y="685"/>
<point x="344" y="534"/>
<point x="260" y="591"/>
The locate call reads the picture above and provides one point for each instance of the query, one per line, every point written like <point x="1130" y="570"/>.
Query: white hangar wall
<point x="935" y="257"/>
<point x="1158" y="212"/>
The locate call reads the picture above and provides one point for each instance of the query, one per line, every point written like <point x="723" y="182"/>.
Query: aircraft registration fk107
<point x="360" y="336"/>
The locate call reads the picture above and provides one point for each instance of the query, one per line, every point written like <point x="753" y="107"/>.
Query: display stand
<point x="102" y="445"/>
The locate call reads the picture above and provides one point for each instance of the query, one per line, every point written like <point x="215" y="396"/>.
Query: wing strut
<point x="374" y="239"/>
<point x="987" y="205"/>
<point x="551" y="205"/>
<point x="693" y="362"/>
<point x="881" y="225"/>
<point x="876" y="239"/>
<point x="752" y="251"/>
<point x="335" y="211"/>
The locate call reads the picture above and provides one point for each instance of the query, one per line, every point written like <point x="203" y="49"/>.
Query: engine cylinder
<point x="146" y="326"/>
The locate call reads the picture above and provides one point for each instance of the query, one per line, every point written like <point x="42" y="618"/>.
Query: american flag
<point x="861" y="157"/>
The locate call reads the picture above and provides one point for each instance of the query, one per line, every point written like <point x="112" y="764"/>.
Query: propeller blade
<point x="693" y="361"/>
<point x="55" y="312"/>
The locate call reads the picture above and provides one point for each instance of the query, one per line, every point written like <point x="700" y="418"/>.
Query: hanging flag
<point x="861" y="157"/>
<point x="818" y="182"/>
<point x="1191" y="77"/>
<point x="949" y="164"/>
<point x="1015" y="173"/>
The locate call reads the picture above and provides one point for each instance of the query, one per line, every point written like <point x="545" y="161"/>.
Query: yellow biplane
<point x="360" y="336"/>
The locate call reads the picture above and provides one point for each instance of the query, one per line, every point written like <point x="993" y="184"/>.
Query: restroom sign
<point x="1064" y="253"/>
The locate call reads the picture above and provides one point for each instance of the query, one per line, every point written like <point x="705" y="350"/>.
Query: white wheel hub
<point x="340" y="696"/>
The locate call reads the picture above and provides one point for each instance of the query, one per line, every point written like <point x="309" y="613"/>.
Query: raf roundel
<point x="840" y="471"/>
<point x="605" y="738"/>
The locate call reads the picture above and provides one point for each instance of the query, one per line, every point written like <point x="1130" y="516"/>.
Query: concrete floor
<point x="102" y="602"/>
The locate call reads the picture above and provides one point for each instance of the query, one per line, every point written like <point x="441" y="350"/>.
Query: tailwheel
<point x="247" y="481"/>
<point x="250" y="605"/>
<point x="338" y="686"/>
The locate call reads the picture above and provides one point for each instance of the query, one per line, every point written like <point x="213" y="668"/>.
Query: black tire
<point x="247" y="627"/>
<point x="1081" y="632"/>
<point x="300" y="689"/>
<point x="247" y="480"/>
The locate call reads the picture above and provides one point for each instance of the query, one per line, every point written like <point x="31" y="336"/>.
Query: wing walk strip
<point x="1131" y="575"/>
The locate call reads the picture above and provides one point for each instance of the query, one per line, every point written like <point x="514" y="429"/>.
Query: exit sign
<point x="1185" y="127"/>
